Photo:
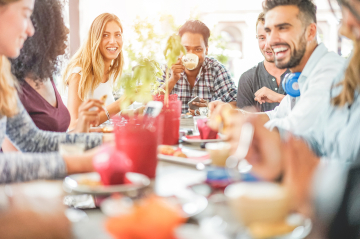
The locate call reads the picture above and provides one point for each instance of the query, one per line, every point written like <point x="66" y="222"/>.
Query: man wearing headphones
<point x="291" y="31"/>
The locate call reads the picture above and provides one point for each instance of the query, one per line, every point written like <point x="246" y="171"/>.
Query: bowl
<point x="218" y="152"/>
<point x="258" y="202"/>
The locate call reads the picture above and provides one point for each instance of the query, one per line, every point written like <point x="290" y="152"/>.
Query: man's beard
<point x="295" y="57"/>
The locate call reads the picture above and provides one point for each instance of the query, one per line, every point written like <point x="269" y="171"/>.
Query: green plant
<point x="138" y="85"/>
<point x="172" y="51"/>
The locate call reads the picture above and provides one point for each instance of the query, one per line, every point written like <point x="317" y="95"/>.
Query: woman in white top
<point x="95" y="66"/>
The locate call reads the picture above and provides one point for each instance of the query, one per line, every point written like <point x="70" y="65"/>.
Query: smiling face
<point x="264" y="46"/>
<point x="194" y="43"/>
<point x="287" y="35"/>
<point x="15" y="26"/>
<point x="111" y="42"/>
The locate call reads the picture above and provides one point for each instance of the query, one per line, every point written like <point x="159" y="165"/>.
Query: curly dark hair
<point x="196" y="26"/>
<point x="39" y="57"/>
<point x="307" y="8"/>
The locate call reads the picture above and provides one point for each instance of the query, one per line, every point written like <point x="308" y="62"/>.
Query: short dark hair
<point x="39" y="56"/>
<point x="196" y="26"/>
<point x="306" y="7"/>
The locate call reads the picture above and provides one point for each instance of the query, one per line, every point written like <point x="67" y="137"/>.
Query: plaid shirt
<point x="212" y="83"/>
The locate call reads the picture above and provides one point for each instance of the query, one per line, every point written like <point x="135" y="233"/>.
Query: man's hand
<point x="300" y="164"/>
<point x="87" y="116"/>
<point x="266" y="95"/>
<point x="202" y="103"/>
<point x="176" y="71"/>
<point x="213" y="105"/>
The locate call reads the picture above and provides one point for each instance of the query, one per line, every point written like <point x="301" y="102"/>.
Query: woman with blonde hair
<point x="95" y="67"/>
<point x="41" y="160"/>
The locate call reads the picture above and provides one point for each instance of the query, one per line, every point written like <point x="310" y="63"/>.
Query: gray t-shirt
<point x="252" y="81"/>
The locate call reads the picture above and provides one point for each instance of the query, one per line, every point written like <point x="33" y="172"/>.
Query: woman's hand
<point x="82" y="163"/>
<point x="88" y="115"/>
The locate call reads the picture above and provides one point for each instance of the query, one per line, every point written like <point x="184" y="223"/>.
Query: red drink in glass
<point x="171" y="113"/>
<point x="138" y="138"/>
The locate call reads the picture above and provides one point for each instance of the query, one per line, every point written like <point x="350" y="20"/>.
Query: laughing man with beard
<point x="291" y="31"/>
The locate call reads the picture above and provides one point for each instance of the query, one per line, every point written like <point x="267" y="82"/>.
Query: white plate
<point x="138" y="181"/>
<point x="191" y="205"/>
<point x="188" y="161"/>
<point x="198" y="141"/>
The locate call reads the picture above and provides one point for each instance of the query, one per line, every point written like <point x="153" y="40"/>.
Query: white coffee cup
<point x="258" y="201"/>
<point x="190" y="61"/>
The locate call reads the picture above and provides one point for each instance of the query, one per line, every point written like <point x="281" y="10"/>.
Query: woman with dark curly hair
<point x="35" y="67"/>
<point x="40" y="158"/>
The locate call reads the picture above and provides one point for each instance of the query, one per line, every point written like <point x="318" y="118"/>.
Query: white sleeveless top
<point x="102" y="89"/>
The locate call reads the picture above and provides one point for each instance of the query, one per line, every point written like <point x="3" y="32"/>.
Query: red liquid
<point x="171" y="114"/>
<point x="140" y="144"/>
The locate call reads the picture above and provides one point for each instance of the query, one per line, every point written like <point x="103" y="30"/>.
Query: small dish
<point x="191" y="205"/>
<point x="194" y="157"/>
<point x="71" y="184"/>
<point x="195" y="139"/>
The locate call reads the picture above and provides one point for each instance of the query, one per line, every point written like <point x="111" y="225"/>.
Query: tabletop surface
<point x="172" y="179"/>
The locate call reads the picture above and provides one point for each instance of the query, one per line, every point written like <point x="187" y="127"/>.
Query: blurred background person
<point x="94" y="68"/>
<point x="209" y="80"/>
<point x="261" y="86"/>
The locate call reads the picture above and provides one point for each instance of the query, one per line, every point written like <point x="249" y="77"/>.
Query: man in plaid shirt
<point x="209" y="80"/>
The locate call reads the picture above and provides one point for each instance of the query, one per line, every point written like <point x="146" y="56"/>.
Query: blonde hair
<point x="351" y="82"/>
<point x="5" y="2"/>
<point x="89" y="58"/>
<point x="8" y="94"/>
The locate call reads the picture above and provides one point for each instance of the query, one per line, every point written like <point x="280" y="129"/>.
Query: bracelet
<point x="107" y="113"/>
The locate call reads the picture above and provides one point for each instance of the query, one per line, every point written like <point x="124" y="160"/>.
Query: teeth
<point x="112" y="49"/>
<point x="277" y="50"/>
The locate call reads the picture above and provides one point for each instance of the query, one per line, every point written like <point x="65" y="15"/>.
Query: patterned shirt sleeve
<point x="18" y="167"/>
<point x="22" y="131"/>
<point x="225" y="89"/>
<point x="162" y="80"/>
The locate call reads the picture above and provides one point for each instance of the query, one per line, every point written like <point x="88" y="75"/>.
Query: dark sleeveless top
<point x="44" y="115"/>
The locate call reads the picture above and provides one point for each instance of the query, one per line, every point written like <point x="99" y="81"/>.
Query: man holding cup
<point x="196" y="75"/>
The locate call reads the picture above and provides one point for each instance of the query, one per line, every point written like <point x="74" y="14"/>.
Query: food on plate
<point x="166" y="150"/>
<point x="112" y="165"/>
<point x="262" y="230"/>
<point x="180" y="154"/>
<point x="89" y="182"/>
<point x="103" y="98"/>
<point x="169" y="150"/>
<point x="205" y="131"/>
<point x="108" y="129"/>
<point x="150" y="218"/>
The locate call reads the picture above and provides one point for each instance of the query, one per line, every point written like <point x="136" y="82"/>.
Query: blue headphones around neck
<point x="290" y="84"/>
